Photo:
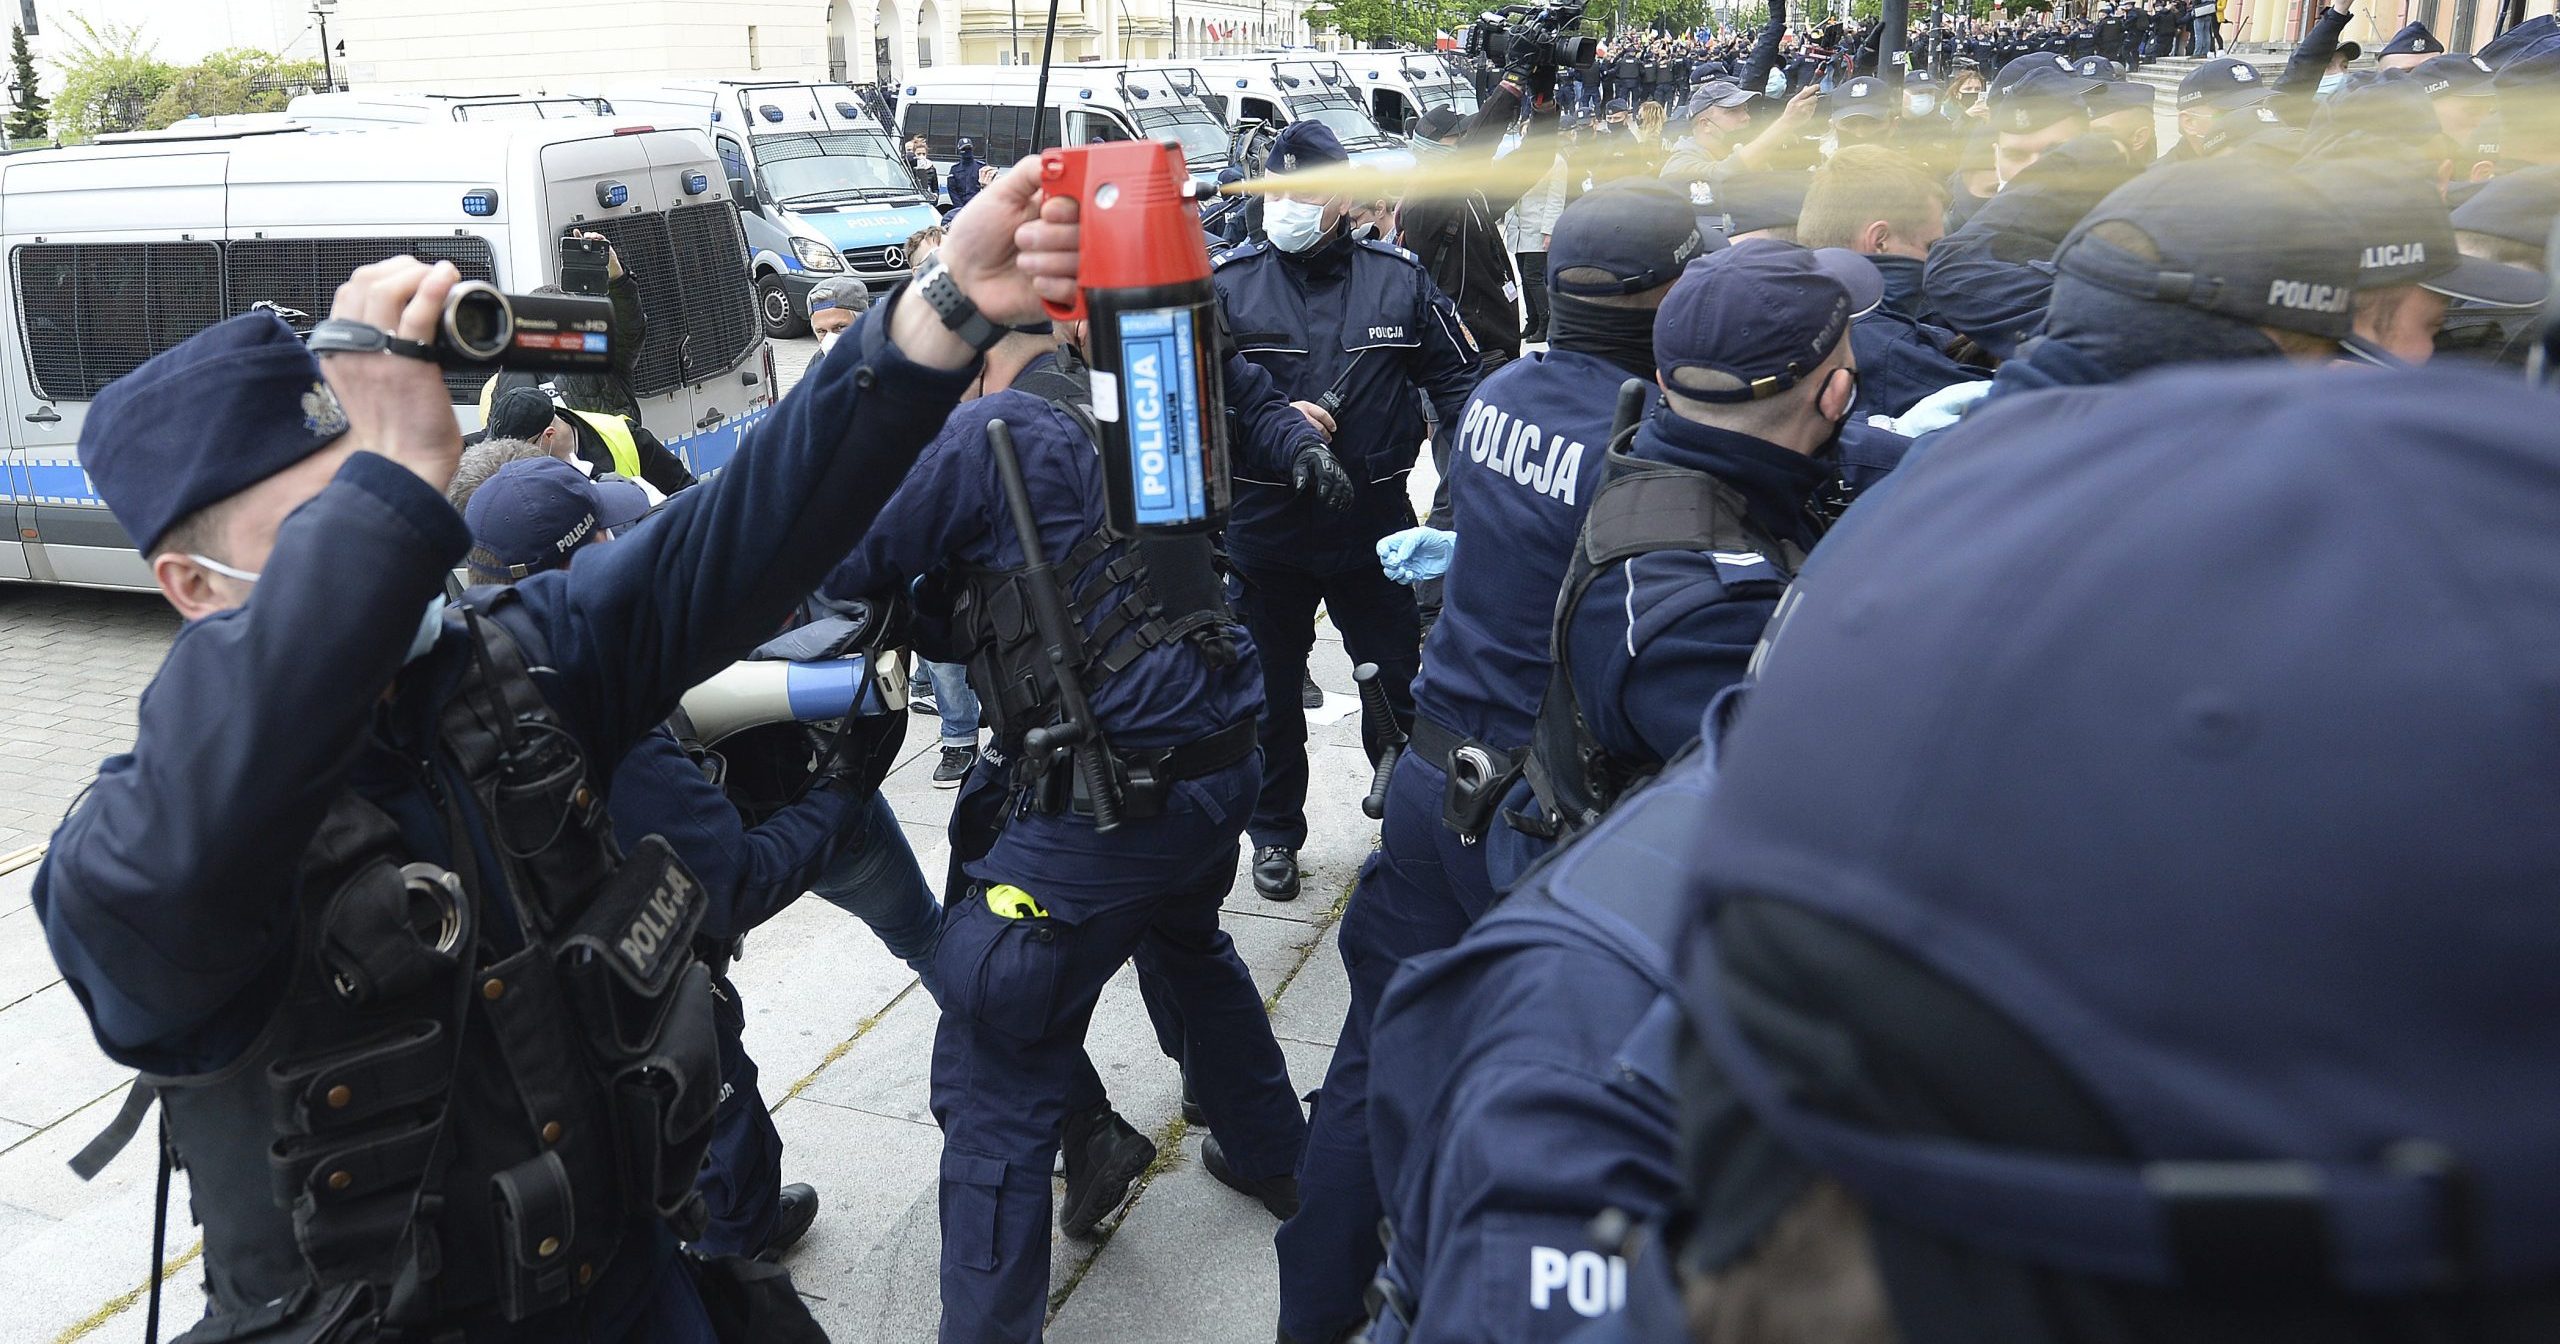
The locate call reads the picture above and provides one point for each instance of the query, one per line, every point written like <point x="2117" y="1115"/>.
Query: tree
<point x="29" y="119"/>
<point x="1402" y="22"/>
<point x="229" y="83"/>
<point x="109" y="79"/>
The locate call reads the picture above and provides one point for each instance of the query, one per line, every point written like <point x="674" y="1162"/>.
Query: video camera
<point x="1545" y="35"/>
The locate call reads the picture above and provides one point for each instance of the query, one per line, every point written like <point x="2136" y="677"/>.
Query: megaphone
<point x="745" y="695"/>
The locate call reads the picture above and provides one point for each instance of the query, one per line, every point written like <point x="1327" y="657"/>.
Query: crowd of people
<point x="1968" y="735"/>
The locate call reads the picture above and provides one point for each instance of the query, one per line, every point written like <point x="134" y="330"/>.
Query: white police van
<point x="1274" y="90"/>
<point x="1402" y="85"/>
<point x="814" y="160"/>
<point x="1089" y="103"/>
<point x="117" y="252"/>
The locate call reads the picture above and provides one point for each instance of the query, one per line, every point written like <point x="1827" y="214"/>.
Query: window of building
<point x="27" y="16"/>
<point x="755" y="52"/>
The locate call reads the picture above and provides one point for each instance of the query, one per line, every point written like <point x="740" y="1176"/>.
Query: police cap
<point x="533" y="515"/>
<point x="2030" y="937"/>
<point x="2121" y="96"/>
<point x="204" y="420"/>
<point x="2517" y="206"/>
<point x="521" y="413"/>
<point x="1624" y="238"/>
<point x="2035" y="102"/>
<point x="1865" y="96"/>
<point x="2261" y="247"/>
<point x="2412" y="40"/>
<point x="1749" y="323"/>
<point x="2407" y="239"/>
<point x="1756" y="201"/>
<point x="2455" y="77"/>
<point x="1304" y="144"/>
<point x="2223" y="83"/>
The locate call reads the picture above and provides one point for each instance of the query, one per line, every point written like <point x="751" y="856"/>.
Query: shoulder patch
<point x="1251" y="247"/>
<point x="1382" y="245"/>
<point x="1735" y="568"/>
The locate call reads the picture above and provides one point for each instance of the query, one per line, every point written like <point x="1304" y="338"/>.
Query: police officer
<point x="2221" y="85"/>
<point x="287" y="903"/>
<point x="539" y="515"/>
<point x="2508" y="220"/>
<point x="1525" y="461"/>
<point x="1874" y="202"/>
<point x="1053" y="905"/>
<point x="2412" y="269"/>
<point x="1351" y="330"/>
<point x="1958" y="1055"/>
<point x="606" y="443"/>
<point x="1655" y="617"/>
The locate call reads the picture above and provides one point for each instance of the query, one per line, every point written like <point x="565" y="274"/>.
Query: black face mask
<point x="1622" y="336"/>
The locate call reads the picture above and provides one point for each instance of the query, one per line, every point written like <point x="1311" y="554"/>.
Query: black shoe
<point x="799" y="1209"/>
<point x="1310" y="695"/>
<point x="1275" y="872"/>
<point x="1192" y="1115"/>
<point x="1104" y="1158"/>
<point x="1277" y="1193"/>
<point x="922" y="702"/>
<point x="956" y="764"/>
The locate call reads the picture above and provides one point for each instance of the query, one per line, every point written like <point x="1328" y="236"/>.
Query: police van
<point x="343" y="110"/>
<point x="1274" y="90"/>
<point x="118" y="252"/>
<point x="813" y="160"/>
<point x="991" y="106"/>
<point x="1400" y="86"/>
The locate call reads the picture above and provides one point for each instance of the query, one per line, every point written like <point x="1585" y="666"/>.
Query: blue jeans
<point x="879" y="882"/>
<point x="959" y="703"/>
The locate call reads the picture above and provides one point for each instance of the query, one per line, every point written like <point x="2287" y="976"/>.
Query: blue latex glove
<point x="1417" y="553"/>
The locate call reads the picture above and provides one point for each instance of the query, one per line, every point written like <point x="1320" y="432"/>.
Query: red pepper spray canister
<point x="1144" y="287"/>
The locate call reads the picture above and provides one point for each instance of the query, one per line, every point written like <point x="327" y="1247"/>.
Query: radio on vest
<point x="1157" y="393"/>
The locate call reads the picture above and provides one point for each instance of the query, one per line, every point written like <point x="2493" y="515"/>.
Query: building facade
<point x="559" y="46"/>
<point x="2462" y="25"/>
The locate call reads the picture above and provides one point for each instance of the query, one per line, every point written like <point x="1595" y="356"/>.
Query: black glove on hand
<point x="1318" y="473"/>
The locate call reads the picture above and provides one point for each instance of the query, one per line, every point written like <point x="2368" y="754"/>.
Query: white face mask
<point x="1293" y="226"/>
<point x="828" y="342"/>
<point x="2329" y="83"/>
<point x="1922" y="104"/>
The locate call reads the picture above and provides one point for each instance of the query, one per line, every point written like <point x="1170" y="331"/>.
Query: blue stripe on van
<point x="706" y="452"/>
<point x="48" y="481"/>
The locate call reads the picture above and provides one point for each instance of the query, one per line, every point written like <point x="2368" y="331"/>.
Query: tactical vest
<point x="1175" y="594"/>
<point x="427" y="1134"/>
<point x="1644" y="507"/>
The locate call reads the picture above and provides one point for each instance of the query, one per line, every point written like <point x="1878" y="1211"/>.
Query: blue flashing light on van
<point x="480" y="204"/>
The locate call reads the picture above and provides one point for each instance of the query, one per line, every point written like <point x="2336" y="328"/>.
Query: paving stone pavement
<point x="841" y="1033"/>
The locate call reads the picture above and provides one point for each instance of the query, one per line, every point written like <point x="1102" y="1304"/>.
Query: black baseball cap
<point x="2234" y="239"/>
<point x="2039" y="100"/>
<point x="2407" y="239"/>
<point x="533" y="515"/>
<point x="2452" y="76"/>
<point x="521" y="413"/>
<point x="1865" y="96"/>
<point x="1856" y="274"/>
<point x="2350" y="51"/>
<point x="2034" y="63"/>
<point x="1637" y="233"/>
<point x="2121" y="96"/>
<point x="2223" y="83"/>
<point x="2517" y="206"/>
<point x="1756" y="201"/>
<point x="1748" y="323"/>
<point x="2098" y="68"/>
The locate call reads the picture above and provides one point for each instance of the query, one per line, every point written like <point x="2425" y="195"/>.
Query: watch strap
<point x="942" y="294"/>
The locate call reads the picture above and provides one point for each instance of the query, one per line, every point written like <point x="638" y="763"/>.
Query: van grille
<point x="304" y="274"/>
<point x="695" y="292"/>
<point x="887" y="260"/>
<point x="93" y="312"/>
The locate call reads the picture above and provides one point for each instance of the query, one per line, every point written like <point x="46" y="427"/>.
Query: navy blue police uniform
<point x="1054" y="908"/>
<point x="1943" y="949"/>
<point x="1550" y="1029"/>
<point x="1902" y="351"/>
<point x="1694" y="538"/>
<point x="1524" y="463"/>
<point x="1364" y="318"/>
<point x="176" y="896"/>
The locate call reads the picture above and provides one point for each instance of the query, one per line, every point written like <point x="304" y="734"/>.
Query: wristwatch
<point x="942" y="294"/>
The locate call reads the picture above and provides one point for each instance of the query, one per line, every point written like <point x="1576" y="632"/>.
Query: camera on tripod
<point x="1532" y="35"/>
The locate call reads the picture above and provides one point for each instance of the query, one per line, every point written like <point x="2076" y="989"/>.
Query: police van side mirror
<point x="740" y="191"/>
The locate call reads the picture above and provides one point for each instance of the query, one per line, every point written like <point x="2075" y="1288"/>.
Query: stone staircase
<point x="2164" y="75"/>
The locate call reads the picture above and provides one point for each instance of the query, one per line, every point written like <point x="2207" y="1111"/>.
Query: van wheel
<point x="781" y="316"/>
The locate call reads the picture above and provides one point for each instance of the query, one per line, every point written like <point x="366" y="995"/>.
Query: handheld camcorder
<point x="1533" y="35"/>
<point x="483" y="327"/>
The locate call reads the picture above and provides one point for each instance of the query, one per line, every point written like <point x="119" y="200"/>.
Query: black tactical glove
<point x="1318" y="473"/>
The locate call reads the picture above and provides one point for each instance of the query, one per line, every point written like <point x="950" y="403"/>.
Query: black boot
<point x="799" y="1208"/>
<point x="1105" y="1156"/>
<point x="1277" y="1193"/>
<point x="1275" y="872"/>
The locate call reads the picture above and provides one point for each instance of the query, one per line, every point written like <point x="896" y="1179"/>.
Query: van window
<point x="304" y="274"/>
<point x="93" y="312"/>
<point x="1002" y="134"/>
<point x="733" y="161"/>
<point x="1259" y="109"/>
